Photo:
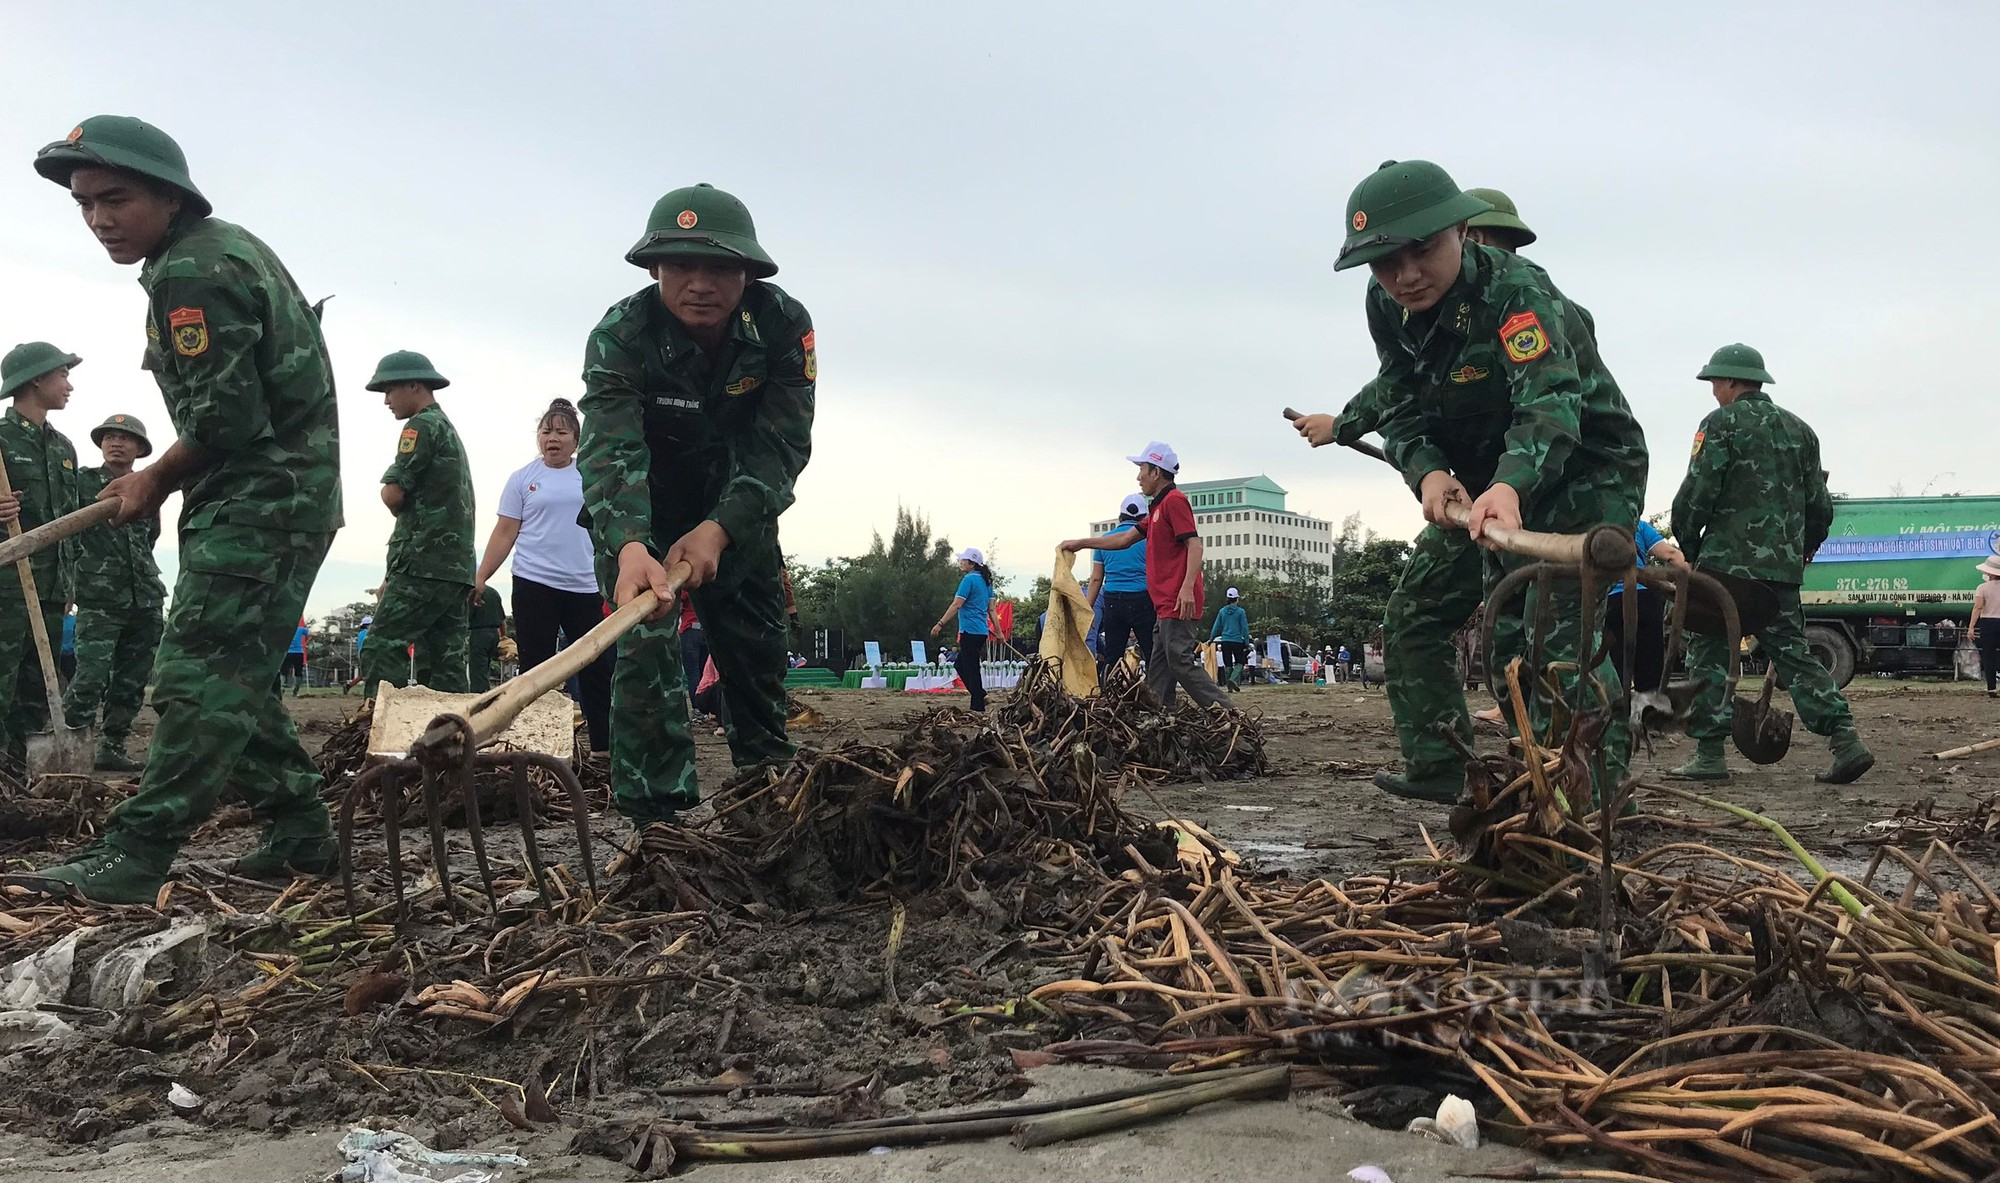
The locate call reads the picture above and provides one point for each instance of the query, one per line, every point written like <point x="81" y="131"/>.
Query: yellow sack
<point x="1209" y="660"/>
<point x="1065" y="635"/>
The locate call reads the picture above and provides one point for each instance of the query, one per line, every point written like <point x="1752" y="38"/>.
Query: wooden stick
<point x="51" y="683"/>
<point x="496" y="711"/>
<point x="26" y="542"/>
<point x="1081" y="1123"/>
<point x="1968" y="750"/>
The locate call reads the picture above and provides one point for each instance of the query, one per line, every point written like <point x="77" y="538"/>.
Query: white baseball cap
<point x="1231" y="593"/>
<point x="1134" y="506"/>
<point x="1158" y="455"/>
<point x="971" y="554"/>
<point x="368" y="620"/>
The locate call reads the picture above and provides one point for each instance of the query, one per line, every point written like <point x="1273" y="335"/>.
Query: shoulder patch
<point x="1524" y="337"/>
<point x="1698" y="437"/>
<point x="812" y="362"/>
<point x="189" y="328"/>
<point x="408" y="443"/>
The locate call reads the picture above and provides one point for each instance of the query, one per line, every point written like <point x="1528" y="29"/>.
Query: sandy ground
<point x="1316" y="814"/>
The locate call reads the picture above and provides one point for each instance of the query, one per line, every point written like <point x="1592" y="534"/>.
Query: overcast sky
<point x="1034" y="236"/>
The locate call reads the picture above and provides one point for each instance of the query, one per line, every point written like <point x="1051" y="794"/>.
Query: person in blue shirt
<point x="360" y="639"/>
<point x="67" y="658"/>
<point x="294" y="669"/>
<point x="975" y="592"/>
<point x="1231" y="634"/>
<point x="1650" y="648"/>
<point x="1118" y="587"/>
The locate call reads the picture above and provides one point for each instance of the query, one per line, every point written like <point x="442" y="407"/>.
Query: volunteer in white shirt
<point x="555" y="583"/>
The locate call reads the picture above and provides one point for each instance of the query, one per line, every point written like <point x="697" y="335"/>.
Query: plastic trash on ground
<point x="1456" y="1124"/>
<point x="386" y="1156"/>
<point x="1369" y="1174"/>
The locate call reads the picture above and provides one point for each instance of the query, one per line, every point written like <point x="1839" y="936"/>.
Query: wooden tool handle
<point x="51" y="683"/>
<point x="22" y="543"/>
<point x="1366" y="449"/>
<point x="497" y="711"/>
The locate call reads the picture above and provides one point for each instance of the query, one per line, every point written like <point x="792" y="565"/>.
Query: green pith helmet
<point x="406" y="365"/>
<point x="120" y="141"/>
<point x="1400" y="203"/>
<point x="25" y="363"/>
<point x="1737" y="361"/>
<point x="130" y="425"/>
<point x="1503" y="216"/>
<point x="702" y="221"/>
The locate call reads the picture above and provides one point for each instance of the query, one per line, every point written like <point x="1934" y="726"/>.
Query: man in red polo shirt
<point x="1173" y="578"/>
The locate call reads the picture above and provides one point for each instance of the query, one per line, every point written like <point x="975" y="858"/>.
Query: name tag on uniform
<point x="677" y="404"/>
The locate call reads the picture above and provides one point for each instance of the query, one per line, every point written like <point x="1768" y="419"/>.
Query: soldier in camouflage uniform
<point x="243" y="370"/>
<point x="1755" y="504"/>
<point x="1491" y="392"/>
<point x="429" y="489"/>
<point x="485" y="626"/>
<point x="698" y="410"/>
<point x="119" y="603"/>
<point x="41" y="466"/>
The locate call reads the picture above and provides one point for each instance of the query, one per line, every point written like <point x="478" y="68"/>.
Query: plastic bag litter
<point x="1369" y="1174"/>
<point x="25" y="1030"/>
<point x="41" y="978"/>
<point x="1456" y="1123"/>
<point x="1064" y="636"/>
<point x="386" y="1156"/>
<point x="118" y="981"/>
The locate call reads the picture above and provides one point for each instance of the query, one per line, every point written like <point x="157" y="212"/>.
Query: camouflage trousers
<point x="223" y="725"/>
<point x="114" y="659"/>
<point x="1820" y="704"/>
<point x="480" y="646"/>
<point x="652" y="750"/>
<point x="1442" y="589"/>
<point x="24" y="704"/>
<point x="1445" y="580"/>
<point x="428" y="613"/>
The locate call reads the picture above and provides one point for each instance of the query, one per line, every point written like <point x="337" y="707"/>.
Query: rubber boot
<point x="1709" y="763"/>
<point x="111" y="757"/>
<point x="107" y="873"/>
<point x="292" y="847"/>
<point x="1442" y="789"/>
<point x="1851" y="758"/>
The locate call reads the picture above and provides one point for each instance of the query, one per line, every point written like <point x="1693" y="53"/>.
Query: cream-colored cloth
<point x="1065" y="636"/>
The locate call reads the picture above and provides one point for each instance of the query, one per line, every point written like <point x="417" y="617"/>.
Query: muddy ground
<point x="802" y="998"/>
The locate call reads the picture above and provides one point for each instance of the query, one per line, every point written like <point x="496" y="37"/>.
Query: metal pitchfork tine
<point x="450" y="747"/>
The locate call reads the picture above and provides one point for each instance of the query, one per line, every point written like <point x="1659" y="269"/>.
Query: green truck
<point x="1889" y="591"/>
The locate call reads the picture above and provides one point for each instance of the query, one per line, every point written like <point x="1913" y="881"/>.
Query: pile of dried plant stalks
<point x="1701" y="1014"/>
<point x="53" y="806"/>
<point x="1132" y="739"/>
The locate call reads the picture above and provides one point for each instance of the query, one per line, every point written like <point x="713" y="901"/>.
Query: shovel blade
<point x="68" y="750"/>
<point x="1762" y="734"/>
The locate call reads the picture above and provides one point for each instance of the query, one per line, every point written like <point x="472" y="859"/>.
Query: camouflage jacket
<point x="489" y="612"/>
<point x="240" y="361"/>
<point x="41" y="467"/>
<point x="433" y="536"/>
<point x="1499" y="382"/>
<point x="1755" y="501"/>
<point x="672" y="437"/>
<point x="114" y="565"/>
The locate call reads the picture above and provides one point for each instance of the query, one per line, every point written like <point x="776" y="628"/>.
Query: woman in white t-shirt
<point x="555" y="580"/>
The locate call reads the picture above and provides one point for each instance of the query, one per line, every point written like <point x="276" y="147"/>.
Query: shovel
<point x="62" y="748"/>
<point x="1761" y="734"/>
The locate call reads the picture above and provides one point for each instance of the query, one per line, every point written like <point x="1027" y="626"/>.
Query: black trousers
<point x="1649" y="654"/>
<point x="1128" y="616"/>
<point x="1988" y="638"/>
<point x="540" y="612"/>
<point x="971" y="651"/>
<point x="1233" y="657"/>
